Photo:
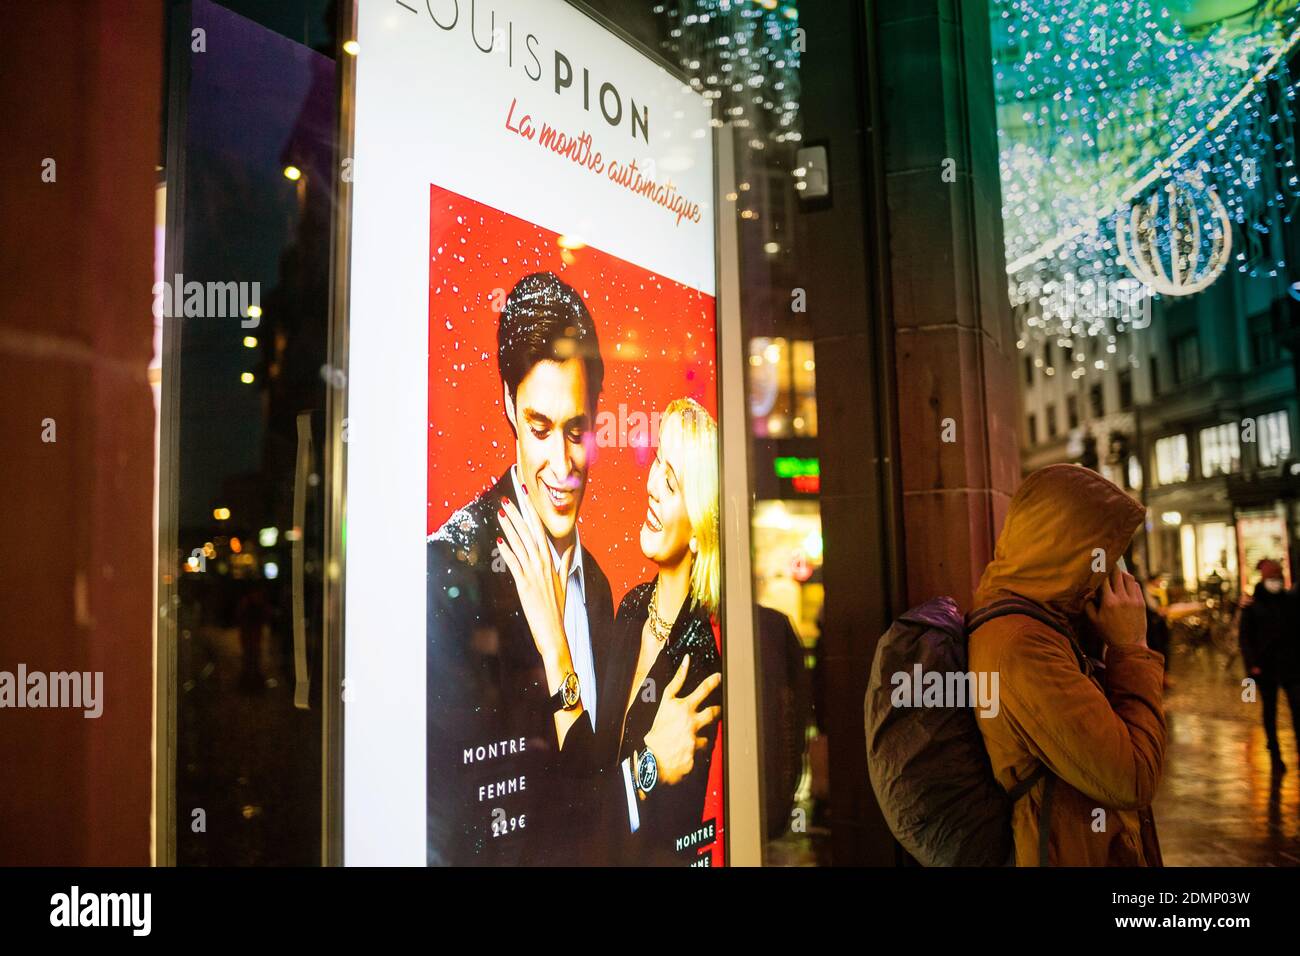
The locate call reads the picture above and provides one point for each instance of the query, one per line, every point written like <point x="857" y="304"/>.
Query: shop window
<point x="1135" y="472"/>
<point x="1220" y="450"/>
<point x="1072" y="410"/>
<point x="788" y="562"/>
<point x="1260" y="535"/>
<point x="1031" y="423"/>
<point x="1216" y="555"/>
<point x="782" y="387"/>
<point x="1125" y="390"/>
<point x="1273" y="433"/>
<point x="1173" y="463"/>
<point x="1029" y="370"/>
<point x="1051" y="421"/>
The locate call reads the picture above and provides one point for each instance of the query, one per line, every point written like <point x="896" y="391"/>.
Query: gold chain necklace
<point x="660" y="628"/>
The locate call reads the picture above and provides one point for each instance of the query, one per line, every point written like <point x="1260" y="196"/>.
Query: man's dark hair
<point x="544" y="319"/>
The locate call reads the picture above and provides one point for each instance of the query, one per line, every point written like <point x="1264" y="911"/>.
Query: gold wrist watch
<point x="568" y="696"/>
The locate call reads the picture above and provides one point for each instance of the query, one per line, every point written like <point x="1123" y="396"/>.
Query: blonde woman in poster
<point x="664" y="651"/>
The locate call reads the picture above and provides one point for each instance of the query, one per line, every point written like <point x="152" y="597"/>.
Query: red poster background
<point x="658" y="341"/>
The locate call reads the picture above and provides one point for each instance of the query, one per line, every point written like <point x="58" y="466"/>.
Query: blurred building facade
<point x="1196" y="415"/>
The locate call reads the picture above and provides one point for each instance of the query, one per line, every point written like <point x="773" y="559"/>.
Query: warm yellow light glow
<point x="351" y="47"/>
<point x="250" y="341"/>
<point x="246" y="378"/>
<point x="293" y="173"/>
<point x="221" y="514"/>
<point x="236" y="545"/>
<point x="254" y="311"/>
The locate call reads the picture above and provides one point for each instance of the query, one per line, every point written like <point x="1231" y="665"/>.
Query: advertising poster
<point x="533" y="358"/>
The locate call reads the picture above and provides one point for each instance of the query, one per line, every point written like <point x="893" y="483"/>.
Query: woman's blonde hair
<point x="689" y="434"/>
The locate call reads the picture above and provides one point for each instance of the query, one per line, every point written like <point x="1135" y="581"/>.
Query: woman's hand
<point x="674" y="736"/>
<point x="527" y="555"/>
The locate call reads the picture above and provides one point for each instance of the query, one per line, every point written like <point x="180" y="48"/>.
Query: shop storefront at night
<point x="500" y="432"/>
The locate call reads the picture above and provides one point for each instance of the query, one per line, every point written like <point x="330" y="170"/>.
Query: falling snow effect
<point x="657" y="339"/>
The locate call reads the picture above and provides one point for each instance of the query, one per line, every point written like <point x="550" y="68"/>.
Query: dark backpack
<point x="928" y="765"/>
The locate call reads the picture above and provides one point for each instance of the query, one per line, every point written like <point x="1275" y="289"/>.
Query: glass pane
<point x="251" y="136"/>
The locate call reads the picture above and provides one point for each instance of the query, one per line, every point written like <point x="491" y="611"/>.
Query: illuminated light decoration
<point x="1155" y="235"/>
<point x="806" y="484"/>
<point x="1099" y="103"/>
<point x="292" y="173"/>
<point x="745" y="55"/>
<point x="789" y="466"/>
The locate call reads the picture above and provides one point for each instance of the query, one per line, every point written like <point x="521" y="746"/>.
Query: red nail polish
<point x="500" y="541"/>
<point x="501" y="512"/>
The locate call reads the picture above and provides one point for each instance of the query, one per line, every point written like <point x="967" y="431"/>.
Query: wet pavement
<point x="1219" y="803"/>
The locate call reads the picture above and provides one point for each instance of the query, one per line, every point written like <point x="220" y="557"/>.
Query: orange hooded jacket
<point x="1102" y="735"/>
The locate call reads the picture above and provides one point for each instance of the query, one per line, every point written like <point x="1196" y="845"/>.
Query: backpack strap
<point x="1045" y="811"/>
<point x="1008" y="606"/>
<point x="1005" y="608"/>
<point x="1024" y="786"/>
<point x="1045" y="819"/>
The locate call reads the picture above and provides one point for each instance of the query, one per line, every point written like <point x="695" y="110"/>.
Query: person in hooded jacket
<point x="1092" y="732"/>
<point x="1270" y="649"/>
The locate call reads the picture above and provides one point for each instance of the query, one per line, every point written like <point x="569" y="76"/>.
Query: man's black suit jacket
<point x="499" y="789"/>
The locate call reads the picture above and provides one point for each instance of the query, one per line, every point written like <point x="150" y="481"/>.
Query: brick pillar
<point x="81" y="85"/>
<point x="953" y="337"/>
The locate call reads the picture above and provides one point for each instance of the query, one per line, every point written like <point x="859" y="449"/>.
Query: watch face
<point x="647" y="771"/>
<point x="569" y="691"/>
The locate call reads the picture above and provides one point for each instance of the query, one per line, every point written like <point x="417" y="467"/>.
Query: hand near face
<point x="527" y="556"/>
<point x="1120" y="612"/>
<point x="674" y="736"/>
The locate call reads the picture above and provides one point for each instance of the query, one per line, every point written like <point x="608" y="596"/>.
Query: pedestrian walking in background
<point x="1270" y="650"/>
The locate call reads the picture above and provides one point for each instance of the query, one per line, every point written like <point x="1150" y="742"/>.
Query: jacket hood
<point x="1047" y="550"/>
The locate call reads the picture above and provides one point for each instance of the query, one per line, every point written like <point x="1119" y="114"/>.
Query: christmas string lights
<point x="1118" y="123"/>
<point x="745" y="54"/>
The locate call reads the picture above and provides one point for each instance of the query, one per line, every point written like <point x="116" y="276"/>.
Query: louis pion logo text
<point x="479" y="24"/>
